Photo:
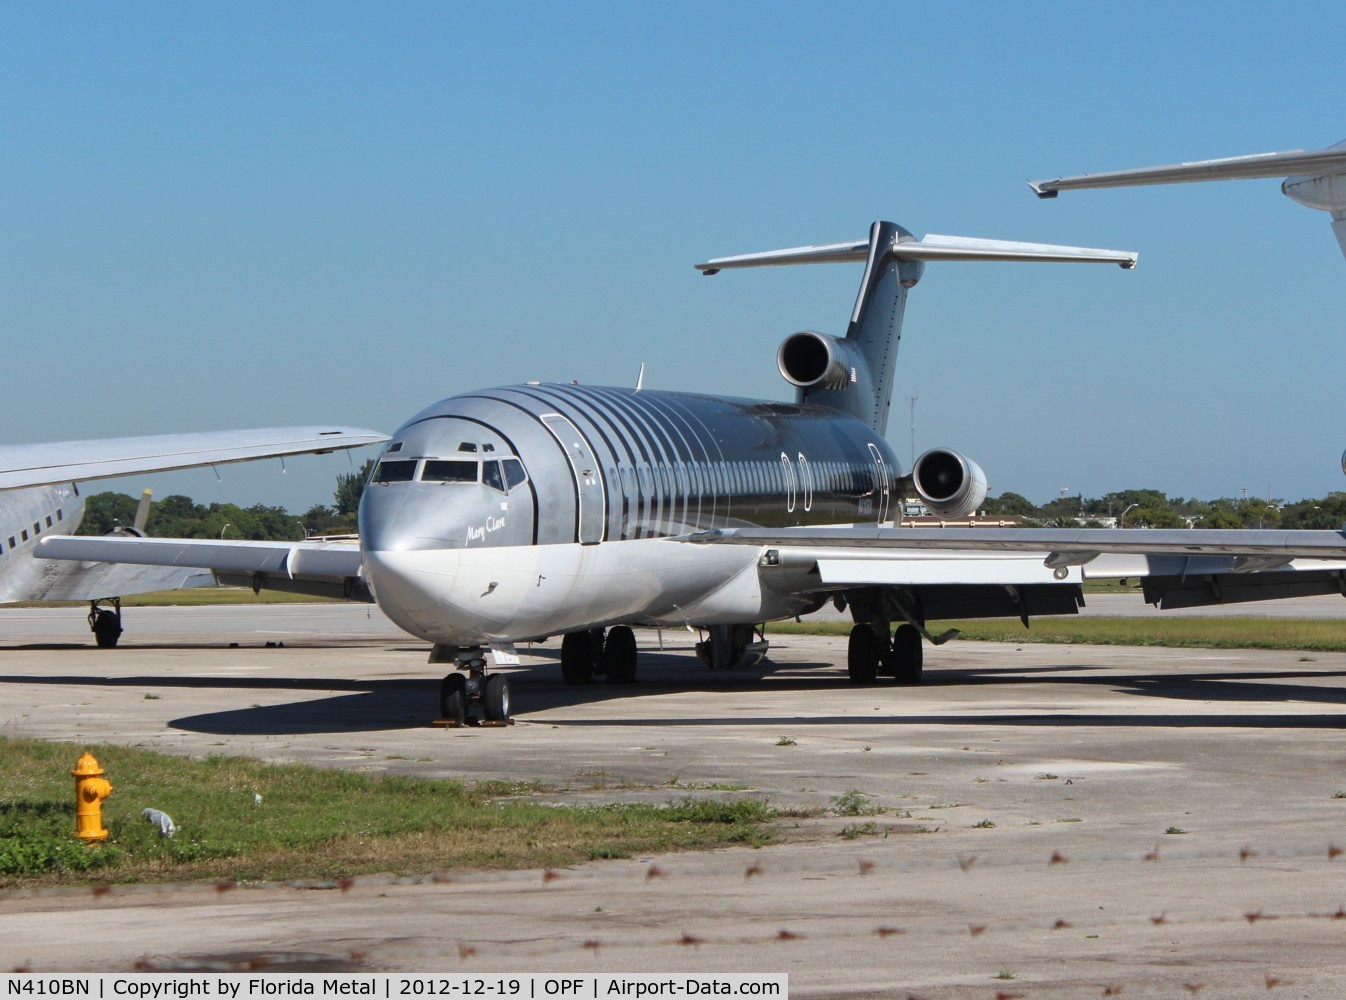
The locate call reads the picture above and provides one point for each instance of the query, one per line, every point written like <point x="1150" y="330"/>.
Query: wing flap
<point x="942" y="568"/>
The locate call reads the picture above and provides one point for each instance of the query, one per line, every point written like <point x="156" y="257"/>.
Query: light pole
<point x="227" y="526"/>
<point x="1122" y="516"/>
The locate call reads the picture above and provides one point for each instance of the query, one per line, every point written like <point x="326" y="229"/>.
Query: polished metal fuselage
<point x="612" y="476"/>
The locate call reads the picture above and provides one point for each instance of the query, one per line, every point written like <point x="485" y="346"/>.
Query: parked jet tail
<point x="856" y="374"/>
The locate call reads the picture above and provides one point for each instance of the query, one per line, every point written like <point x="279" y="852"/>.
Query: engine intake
<point x="812" y="360"/>
<point x="948" y="483"/>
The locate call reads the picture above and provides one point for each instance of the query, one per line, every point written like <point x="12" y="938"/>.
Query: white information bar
<point x="391" y="986"/>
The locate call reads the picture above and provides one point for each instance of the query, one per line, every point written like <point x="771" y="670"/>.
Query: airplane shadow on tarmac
<point x="370" y="705"/>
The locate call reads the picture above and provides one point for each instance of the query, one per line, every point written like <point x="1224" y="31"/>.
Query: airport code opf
<point x="534" y="986"/>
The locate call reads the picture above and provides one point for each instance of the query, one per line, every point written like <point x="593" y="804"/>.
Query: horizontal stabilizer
<point x="1294" y="161"/>
<point x="932" y="247"/>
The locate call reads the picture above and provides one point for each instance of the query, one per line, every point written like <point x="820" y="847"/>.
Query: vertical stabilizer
<point x="875" y="329"/>
<point x="855" y="374"/>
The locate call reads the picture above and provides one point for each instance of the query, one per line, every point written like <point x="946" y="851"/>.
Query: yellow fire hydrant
<point x="91" y="788"/>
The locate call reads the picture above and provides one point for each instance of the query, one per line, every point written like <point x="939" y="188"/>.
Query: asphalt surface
<point x="1060" y="821"/>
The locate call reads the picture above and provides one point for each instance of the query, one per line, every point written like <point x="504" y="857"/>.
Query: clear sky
<point x="244" y="214"/>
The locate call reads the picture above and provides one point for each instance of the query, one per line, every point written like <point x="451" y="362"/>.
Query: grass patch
<point x="318" y="824"/>
<point x="196" y="597"/>
<point x="854" y="803"/>
<point x="1194" y="631"/>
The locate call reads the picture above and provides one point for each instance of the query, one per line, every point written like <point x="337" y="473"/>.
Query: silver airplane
<point x="520" y="513"/>
<point x="1317" y="178"/>
<point x="40" y="498"/>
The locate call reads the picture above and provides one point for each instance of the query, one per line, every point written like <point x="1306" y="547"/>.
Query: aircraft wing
<point x="322" y="569"/>
<point x="1177" y="568"/>
<point x="77" y="461"/>
<point x="99" y="581"/>
<point x="1294" y="161"/>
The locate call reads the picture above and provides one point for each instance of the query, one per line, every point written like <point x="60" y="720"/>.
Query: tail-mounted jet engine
<point x="812" y="360"/>
<point x="949" y="484"/>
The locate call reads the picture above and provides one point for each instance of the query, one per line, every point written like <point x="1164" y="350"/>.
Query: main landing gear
<point x="106" y="623"/>
<point x="469" y="688"/>
<point x="585" y="655"/>
<point x="870" y="653"/>
<point x="730" y="646"/>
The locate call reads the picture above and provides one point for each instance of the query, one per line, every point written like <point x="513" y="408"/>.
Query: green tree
<point x="1154" y="517"/>
<point x="1221" y="519"/>
<point x="1010" y="504"/>
<point x="350" y="487"/>
<point x="104" y="512"/>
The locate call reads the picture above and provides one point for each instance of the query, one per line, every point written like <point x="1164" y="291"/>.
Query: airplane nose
<point x="399" y="518"/>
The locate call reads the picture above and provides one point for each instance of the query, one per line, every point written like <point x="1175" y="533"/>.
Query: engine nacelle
<point x="812" y="360"/>
<point x="1326" y="192"/>
<point x="948" y="483"/>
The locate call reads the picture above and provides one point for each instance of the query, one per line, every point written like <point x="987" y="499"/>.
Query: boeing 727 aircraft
<point x="40" y="498"/>
<point x="1317" y="178"/>
<point x="529" y="511"/>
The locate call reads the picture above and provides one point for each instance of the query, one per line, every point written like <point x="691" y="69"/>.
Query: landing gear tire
<point x="107" y="627"/>
<point x="453" y="698"/>
<point x="863" y="654"/>
<point x="908" y="655"/>
<point x="577" y="658"/>
<point x="495" y="699"/>
<point x="619" y="655"/>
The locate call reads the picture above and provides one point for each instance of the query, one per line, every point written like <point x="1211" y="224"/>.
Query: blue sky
<point x="248" y="214"/>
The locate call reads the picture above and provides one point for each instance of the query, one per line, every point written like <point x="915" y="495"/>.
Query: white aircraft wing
<point x="77" y="461"/>
<point x="1177" y="568"/>
<point x="325" y="569"/>
<point x="100" y="581"/>
<point x="1294" y="161"/>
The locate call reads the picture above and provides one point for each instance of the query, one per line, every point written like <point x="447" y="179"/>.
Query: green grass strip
<point x="313" y="823"/>
<point x="1213" y="632"/>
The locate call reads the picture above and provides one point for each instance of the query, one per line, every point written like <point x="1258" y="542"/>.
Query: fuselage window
<point x="11" y="541"/>
<point x="449" y="471"/>
<point x="514" y="473"/>
<point x="48" y="520"/>
<point x="398" y="471"/>
<point x="60" y="514"/>
<point x="467" y="447"/>
<point x="492" y="477"/>
<point x="24" y="534"/>
<point x="37" y="527"/>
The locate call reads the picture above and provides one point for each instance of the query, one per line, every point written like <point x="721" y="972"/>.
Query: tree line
<point x="179" y="517"/>
<point x="1152" y="509"/>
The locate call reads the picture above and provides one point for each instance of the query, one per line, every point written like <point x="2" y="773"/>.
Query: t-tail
<point x="855" y="374"/>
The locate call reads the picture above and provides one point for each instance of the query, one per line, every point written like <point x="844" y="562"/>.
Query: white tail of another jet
<point x="855" y="374"/>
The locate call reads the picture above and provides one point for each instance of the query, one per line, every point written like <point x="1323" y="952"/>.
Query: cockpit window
<point x="449" y="471"/>
<point x="490" y="475"/>
<point x="467" y="447"/>
<point x="514" y="473"/>
<point x="398" y="471"/>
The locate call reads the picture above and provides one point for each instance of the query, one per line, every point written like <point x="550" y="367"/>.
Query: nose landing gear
<point x="469" y="689"/>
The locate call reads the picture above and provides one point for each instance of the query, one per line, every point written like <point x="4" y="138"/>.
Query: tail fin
<point x="894" y="262"/>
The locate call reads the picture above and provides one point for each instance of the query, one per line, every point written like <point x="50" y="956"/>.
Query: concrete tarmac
<point x="1060" y="821"/>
